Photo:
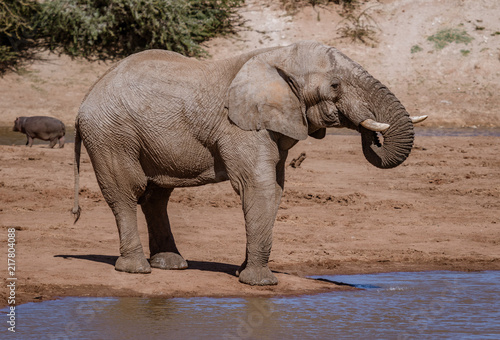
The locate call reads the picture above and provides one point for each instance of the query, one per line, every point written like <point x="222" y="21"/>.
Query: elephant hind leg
<point x="163" y="250"/>
<point x="132" y="259"/>
<point x="122" y="181"/>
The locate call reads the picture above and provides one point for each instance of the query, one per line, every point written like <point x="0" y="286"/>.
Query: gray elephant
<point x="157" y="120"/>
<point x="41" y="127"/>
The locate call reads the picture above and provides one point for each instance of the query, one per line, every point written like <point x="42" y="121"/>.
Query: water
<point x="420" y="305"/>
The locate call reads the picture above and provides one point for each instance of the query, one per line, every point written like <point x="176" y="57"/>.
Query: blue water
<point x="420" y="305"/>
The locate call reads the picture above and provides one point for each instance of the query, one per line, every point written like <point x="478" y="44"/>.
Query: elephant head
<point x="304" y="88"/>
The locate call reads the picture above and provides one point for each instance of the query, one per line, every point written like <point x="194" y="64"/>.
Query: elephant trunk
<point x="397" y="140"/>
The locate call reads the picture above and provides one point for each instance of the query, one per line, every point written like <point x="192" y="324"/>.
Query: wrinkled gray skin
<point x="41" y="127"/>
<point x="158" y="120"/>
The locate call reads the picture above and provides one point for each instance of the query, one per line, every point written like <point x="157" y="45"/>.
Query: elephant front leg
<point x="255" y="166"/>
<point x="260" y="205"/>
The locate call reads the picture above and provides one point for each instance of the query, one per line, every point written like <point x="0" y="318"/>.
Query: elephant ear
<point x="264" y="96"/>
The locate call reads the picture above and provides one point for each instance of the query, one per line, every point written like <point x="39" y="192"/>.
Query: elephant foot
<point x="168" y="261"/>
<point x="257" y="276"/>
<point x="130" y="264"/>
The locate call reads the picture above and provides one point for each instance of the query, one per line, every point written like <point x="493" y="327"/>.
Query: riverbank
<point x="339" y="215"/>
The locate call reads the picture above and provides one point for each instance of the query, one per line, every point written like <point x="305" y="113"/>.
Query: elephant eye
<point x="336" y="85"/>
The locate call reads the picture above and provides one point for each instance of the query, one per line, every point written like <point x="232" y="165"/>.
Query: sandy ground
<point x="339" y="214"/>
<point x="439" y="210"/>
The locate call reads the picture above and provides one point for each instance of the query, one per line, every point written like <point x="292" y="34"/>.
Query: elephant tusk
<point x="418" y="119"/>
<point x="372" y="125"/>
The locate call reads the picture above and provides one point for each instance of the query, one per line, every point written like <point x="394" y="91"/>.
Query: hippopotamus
<point x="41" y="127"/>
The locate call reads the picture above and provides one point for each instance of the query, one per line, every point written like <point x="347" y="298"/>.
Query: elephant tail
<point x="78" y="148"/>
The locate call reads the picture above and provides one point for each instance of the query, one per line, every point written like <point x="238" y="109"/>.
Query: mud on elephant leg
<point x="163" y="250"/>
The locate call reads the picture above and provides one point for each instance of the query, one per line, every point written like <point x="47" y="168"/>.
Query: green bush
<point x="16" y="33"/>
<point x="116" y="28"/>
<point x="110" y="29"/>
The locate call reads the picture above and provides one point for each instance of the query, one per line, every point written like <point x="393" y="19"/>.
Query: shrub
<point x="116" y="28"/>
<point x="16" y="33"/>
<point x="109" y="29"/>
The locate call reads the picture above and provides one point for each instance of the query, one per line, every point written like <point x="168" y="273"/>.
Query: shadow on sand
<point x="195" y="265"/>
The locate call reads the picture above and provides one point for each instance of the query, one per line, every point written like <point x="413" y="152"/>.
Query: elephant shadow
<point x="192" y="265"/>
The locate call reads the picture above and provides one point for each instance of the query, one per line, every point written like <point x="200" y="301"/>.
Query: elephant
<point x="158" y="120"/>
